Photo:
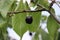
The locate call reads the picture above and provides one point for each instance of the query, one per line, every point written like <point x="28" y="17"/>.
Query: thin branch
<point x="49" y="11"/>
<point x="53" y="1"/>
<point x="17" y="12"/>
<point x="39" y="5"/>
<point x="58" y="21"/>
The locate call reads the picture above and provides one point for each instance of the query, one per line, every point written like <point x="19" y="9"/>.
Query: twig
<point x="58" y="21"/>
<point x="44" y="9"/>
<point x="48" y="10"/>
<point x="17" y="12"/>
<point x="39" y="5"/>
<point x="53" y="1"/>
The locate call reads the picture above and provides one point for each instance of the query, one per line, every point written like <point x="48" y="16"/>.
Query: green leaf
<point x="3" y="22"/>
<point x="3" y="34"/>
<point x="20" y="25"/>
<point x="21" y="6"/>
<point x="18" y="21"/>
<point x="3" y="27"/>
<point x="36" y="37"/>
<point x="36" y="21"/>
<point x="45" y="36"/>
<point x="44" y="3"/>
<point x="58" y="35"/>
<point x="13" y="6"/>
<point x="4" y="6"/>
<point x="52" y="26"/>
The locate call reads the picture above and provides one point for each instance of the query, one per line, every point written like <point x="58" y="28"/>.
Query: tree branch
<point x="51" y="4"/>
<point x="48" y="10"/>
<point x="17" y="12"/>
<point x="58" y="21"/>
<point x="43" y="9"/>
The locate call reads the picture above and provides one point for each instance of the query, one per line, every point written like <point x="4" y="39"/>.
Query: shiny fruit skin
<point x="29" y="19"/>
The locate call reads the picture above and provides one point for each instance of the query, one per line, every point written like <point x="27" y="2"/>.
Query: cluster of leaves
<point x="18" y="23"/>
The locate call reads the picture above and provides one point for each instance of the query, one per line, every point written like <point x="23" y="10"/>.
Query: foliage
<point x="8" y="17"/>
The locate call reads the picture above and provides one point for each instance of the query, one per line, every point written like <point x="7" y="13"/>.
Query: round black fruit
<point x="29" y="19"/>
<point x="30" y="34"/>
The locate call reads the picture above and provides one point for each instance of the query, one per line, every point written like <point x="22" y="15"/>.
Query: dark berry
<point x="30" y="34"/>
<point x="29" y="19"/>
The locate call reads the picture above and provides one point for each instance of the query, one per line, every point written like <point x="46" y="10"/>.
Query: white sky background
<point x="26" y="36"/>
